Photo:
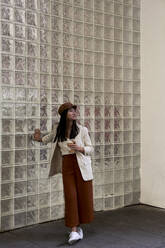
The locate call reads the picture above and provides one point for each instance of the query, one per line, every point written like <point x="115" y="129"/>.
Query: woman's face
<point x="71" y="114"/>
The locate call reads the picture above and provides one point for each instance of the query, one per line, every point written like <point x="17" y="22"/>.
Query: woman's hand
<point x="37" y="135"/>
<point x="75" y="147"/>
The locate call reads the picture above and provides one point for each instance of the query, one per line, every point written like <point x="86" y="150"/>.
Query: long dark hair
<point x="61" y="128"/>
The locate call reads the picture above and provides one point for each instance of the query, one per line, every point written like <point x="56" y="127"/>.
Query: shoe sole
<point x="74" y="241"/>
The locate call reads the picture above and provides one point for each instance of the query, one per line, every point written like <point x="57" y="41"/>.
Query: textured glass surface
<point x="83" y="51"/>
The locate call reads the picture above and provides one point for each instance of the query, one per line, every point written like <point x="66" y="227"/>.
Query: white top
<point x="84" y="160"/>
<point x="65" y="149"/>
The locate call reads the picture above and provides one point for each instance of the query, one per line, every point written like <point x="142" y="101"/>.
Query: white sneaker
<point x="73" y="237"/>
<point x="80" y="232"/>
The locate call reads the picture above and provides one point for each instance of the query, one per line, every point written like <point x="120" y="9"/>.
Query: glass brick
<point x="44" y="199"/>
<point x="20" y="31"/>
<point x="98" y="85"/>
<point x="7" y="29"/>
<point x="99" y="99"/>
<point x="32" y="171"/>
<point x="136" y="25"/>
<point x="20" y="110"/>
<point x="108" y="99"/>
<point x="32" y="202"/>
<point x="7" y="94"/>
<point x="89" y="123"/>
<point x="98" y="58"/>
<point x="108" y="111"/>
<point x="7" y="62"/>
<point x="118" y="137"/>
<point x="20" y="204"/>
<point x="19" y="16"/>
<point x="32" y="217"/>
<point x="78" y="3"/>
<point x="68" y="53"/>
<point x="118" y="9"/>
<point x="57" y="67"/>
<point x="20" y="47"/>
<point x="6" y="13"/>
<point x="78" y="97"/>
<point x="88" y="84"/>
<point x="78" y="14"/>
<point x="6" y="222"/>
<point x="88" y="4"/>
<point x="56" y="23"/>
<point x="7" y="126"/>
<point x="32" y="79"/>
<point x="31" y="4"/>
<point x="32" y="124"/>
<point x="127" y="11"/>
<point x="20" y="3"/>
<point x="7" y="45"/>
<point x="108" y="21"/>
<point x="20" y="172"/>
<point x="20" y="220"/>
<point x="108" y="6"/>
<point x="98" y="18"/>
<point x="20" y="157"/>
<point x="7" y="207"/>
<point x="20" y="141"/>
<point x="67" y="11"/>
<point x="44" y="66"/>
<point x="45" y="6"/>
<point x="56" y="8"/>
<point x="44" y="185"/>
<point x="136" y="13"/>
<point x="7" y="174"/>
<point x="68" y="96"/>
<point x="98" y="31"/>
<point x="32" y="110"/>
<point x="32" y="65"/>
<point x="7" y="141"/>
<point x="20" y="63"/>
<point x="88" y="16"/>
<point x="118" y="21"/>
<point x="44" y="21"/>
<point x="7" y="109"/>
<point x="118" y="188"/>
<point x="20" y="78"/>
<point x="20" y="94"/>
<point x="127" y="36"/>
<point x="136" y="50"/>
<point x="31" y="18"/>
<point x="67" y="26"/>
<point x="32" y="186"/>
<point x="88" y="29"/>
<point x="7" y="77"/>
<point x="44" y="36"/>
<point x="108" y="85"/>
<point x="7" y="190"/>
<point x="32" y="34"/>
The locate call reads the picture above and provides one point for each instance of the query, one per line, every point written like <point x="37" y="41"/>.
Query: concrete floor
<point x="138" y="226"/>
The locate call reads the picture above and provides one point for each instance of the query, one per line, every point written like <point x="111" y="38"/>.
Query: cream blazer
<point x="84" y="160"/>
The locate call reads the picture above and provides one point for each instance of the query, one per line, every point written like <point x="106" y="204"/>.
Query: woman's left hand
<point x="76" y="147"/>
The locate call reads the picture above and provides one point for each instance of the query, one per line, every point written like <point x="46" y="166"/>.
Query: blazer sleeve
<point x="88" y="148"/>
<point x="49" y="137"/>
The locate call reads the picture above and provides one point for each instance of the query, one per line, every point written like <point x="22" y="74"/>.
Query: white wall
<point x="153" y="102"/>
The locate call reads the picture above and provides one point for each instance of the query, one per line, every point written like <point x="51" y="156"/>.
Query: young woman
<point x="71" y="150"/>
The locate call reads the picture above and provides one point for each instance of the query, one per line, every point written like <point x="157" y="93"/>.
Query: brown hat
<point x="66" y="105"/>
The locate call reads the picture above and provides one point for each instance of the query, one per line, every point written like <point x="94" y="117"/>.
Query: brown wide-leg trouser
<point x="78" y="193"/>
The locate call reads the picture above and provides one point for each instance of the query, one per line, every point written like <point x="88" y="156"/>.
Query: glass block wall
<point x="83" y="51"/>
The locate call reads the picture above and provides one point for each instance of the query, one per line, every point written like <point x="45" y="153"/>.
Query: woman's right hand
<point x="37" y="135"/>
